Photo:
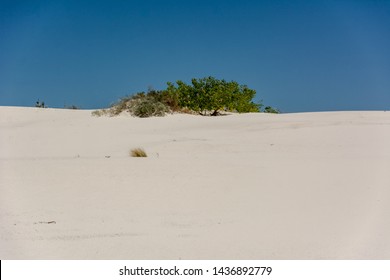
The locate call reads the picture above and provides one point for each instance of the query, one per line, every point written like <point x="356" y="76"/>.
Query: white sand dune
<point x="250" y="186"/>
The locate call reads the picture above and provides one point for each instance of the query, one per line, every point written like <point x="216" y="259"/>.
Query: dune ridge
<point x="241" y="186"/>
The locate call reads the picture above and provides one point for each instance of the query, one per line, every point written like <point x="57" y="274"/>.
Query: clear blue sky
<point x="298" y="55"/>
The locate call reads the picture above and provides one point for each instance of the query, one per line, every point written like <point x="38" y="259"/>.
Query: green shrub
<point x="170" y="97"/>
<point x="212" y="95"/>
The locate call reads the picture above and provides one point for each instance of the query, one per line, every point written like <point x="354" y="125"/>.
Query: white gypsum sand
<point x="249" y="186"/>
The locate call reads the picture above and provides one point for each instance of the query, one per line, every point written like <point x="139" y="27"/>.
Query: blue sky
<point x="298" y="55"/>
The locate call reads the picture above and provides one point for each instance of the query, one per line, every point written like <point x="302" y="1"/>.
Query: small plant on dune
<point x="100" y="112"/>
<point x="138" y="152"/>
<point x="271" y="110"/>
<point x="122" y="105"/>
<point x="148" y="107"/>
<point x="39" y="104"/>
<point x="97" y="113"/>
<point x="141" y="105"/>
<point x="72" y="107"/>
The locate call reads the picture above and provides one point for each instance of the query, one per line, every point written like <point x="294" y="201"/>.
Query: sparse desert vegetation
<point x="139" y="105"/>
<point x="205" y="96"/>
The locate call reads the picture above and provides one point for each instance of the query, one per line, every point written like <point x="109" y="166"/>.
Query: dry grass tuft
<point x="138" y="152"/>
<point x="101" y="112"/>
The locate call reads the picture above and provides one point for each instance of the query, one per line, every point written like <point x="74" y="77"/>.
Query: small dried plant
<point x="138" y="152"/>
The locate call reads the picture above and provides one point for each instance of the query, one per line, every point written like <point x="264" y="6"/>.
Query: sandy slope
<point x="250" y="186"/>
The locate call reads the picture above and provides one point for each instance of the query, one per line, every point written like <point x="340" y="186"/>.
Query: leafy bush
<point x="138" y="152"/>
<point x="212" y="95"/>
<point x="170" y="97"/>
